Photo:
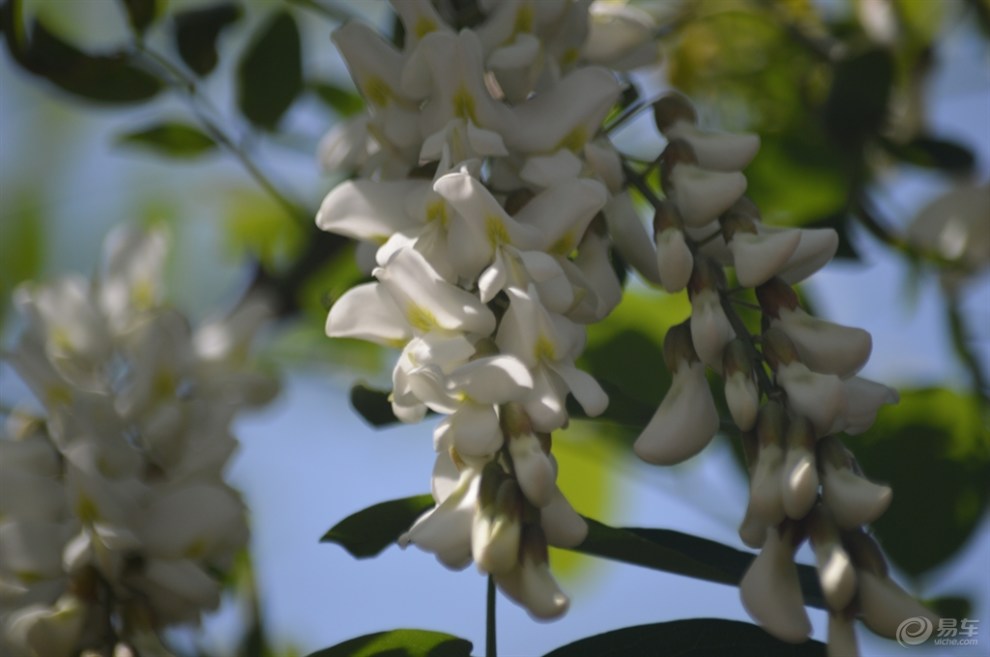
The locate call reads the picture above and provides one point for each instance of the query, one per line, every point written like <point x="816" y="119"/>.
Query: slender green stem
<point x="490" y="648"/>
<point x="957" y="329"/>
<point x="186" y="84"/>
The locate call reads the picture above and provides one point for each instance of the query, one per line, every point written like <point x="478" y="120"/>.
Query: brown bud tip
<point x="800" y="434"/>
<point x="673" y="108"/>
<point x="864" y="552"/>
<point x="515" y="421"/>
<point x="518" y="199"/>
<point x="771" y="423"/>
<point x="677" y="152"/>
<point x="742" y="217"/>
<point x="666" y="216"/>
<point x="492" y="477"/>
<point x="735" y="358"/>
<point x="533" y="544"/>
<point x="774" y="295"/>
<point x="706" y="275"/>
<point x="778" y="349"/>
<point x="678" y="347"/>
<point x="831" y="450"/>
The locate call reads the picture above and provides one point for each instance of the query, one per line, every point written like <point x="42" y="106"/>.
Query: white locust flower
<point x="687" y="419"/>
<point x="530" y="583"/>
<point x="852" y="499"/>
<point x="676" y="118"/>
<point x="799" y="476"/>
<point x="497" y="528"/>
<point x="756" y="256"/>
<point x="710" y="327"/>
<point x="864" y="398"/>
<point x="630" y="236"/>
<point x="816" y="248"/>
<point x="701" y="195"/>
<point x="765" y="457"/>
<point x="771" y="592"/>
<point x="47" y="631"/>
<point x="131" y="276"/>
<point x="564" y="527"/>
<point x="530" y="458"/>
<point x="742" y="395"/>
<point x="819" y="397"/>
<point x="824" y="347"/>
<point x="835" y="569"/>
<point x="620" y="36"/>
<point x="675" y="263"/>
<point x="446" y="529"/>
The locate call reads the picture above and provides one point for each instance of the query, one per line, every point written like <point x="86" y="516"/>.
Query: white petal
<point x="759" y="257"/>
<point x="630" y="236"/>
<point x="369" y="210"/>
<point x="703" y="195"/>
<point x="823" y="346"/>
<point x="816" y="248"/>
<point x="853" y="500"/>
<point x="718" y="151"/>
<point x="710" y="328"/>
<point x="885" y="605"/>
<point x="563" y="525"/>
<point x="799" y="482"/>
<point x="771" y="591"/>
<point x="533" y="469"/>
<point x="549" y="170"/>
<point x="818" y="397"/>
<point x="445" y="530"/>
<point x="532" y="586"/>
<point x="685" y="422"/>
<point x="563" y="212"/>
<point x="743" y="399"/>
<point x="492" y="380"/>
<point x="474" y="430"/>
<point x="863" y="401"/>
<point x="585" y="389"/>
<point x="367" y="312"/>
<point x="674" y="260"/>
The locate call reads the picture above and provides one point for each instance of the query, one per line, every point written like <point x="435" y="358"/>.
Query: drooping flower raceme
<point x="482" y="193"/>
<point x="114" y="507"/>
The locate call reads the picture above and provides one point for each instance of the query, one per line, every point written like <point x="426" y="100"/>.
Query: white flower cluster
<point x="483" y="177"/>
<point x="803" y="482"/>
<point x="115" y="520"/>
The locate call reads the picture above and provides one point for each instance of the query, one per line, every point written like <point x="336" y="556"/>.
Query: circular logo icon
<point x="914" y="631"/>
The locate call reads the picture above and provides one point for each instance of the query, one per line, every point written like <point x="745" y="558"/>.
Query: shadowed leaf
<point x="270" y="72"/>
<point x="140" y="13"/>
<point x="369" y="531"/>
<point x="400" y="643"/>
<point x="696" y="637"/>
<point x="340" y="100"/>
<point x="196" y="33"/>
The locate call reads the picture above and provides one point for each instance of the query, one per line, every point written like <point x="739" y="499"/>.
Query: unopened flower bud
<point x="530" y="582"/>
<point x="852" y="499"/>
<point x="756" y="256"/>
<point x="495" y="530"/>
<point x="719" y="151"/>
<point x="711" y="330"/>
<point x="687" y="418"/>
<point x="841" y="636"/>
<point x="818" y="397"/>
<point x="672" y="109"/>
<point x="563" y="526"/>
<point x="533" y="468"/>
<point x="771" y="591"/>
<point x="766" y="507"/>
<point x="835" y="570"/>
<point x="799" y="484"/>
<point x="816" y="248"/>
<point x="674" y="259"/>
<point x="741" y="392"/>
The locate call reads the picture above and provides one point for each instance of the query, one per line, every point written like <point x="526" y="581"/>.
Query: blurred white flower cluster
<point x="485" y="200"/>
<point x="115" y="520"/>
<point x="803" y="481"/>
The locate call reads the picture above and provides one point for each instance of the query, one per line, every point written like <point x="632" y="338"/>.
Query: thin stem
<point x="490" y="648"/>
<point x="766" y="385"/>
<point x="957" y="329"/>
<point x="188" y="86"/>
<point x="329" y="11"/>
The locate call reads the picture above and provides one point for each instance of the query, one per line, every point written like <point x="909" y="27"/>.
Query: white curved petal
<point x="630" y="236"/>
<point x="492" y="380"/>
<point x="719" y="151"/>
<point x="702" y="195"/>
<point x="367" y="312"/>
<point x="823" y="346"/>
<point x="685" y="422"/>
<point x="674" y="260"/>
<point x="759" y="257"/>
<point x="771" y="592"/>
<point x="853" y="500"/>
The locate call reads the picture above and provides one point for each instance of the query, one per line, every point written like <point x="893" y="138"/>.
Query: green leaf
<point x="400" y="643"/>
<point x="926" y="151"/>
<point x="856" y="107"/>
<point x="696" y="637"/>
<point x="682" y="554"/>
<point x="106" y="78"/>
<point x="369" y="531"/>
<point x="171" y="138"/>
<point x="196" y="33"/>
<point x="933" y="449"/>
<point x="140" y="13"/>
<point x="270" y="72"/>
<point x="22" y="239"/>
<point x="343" y="102"/>
<point x="373" y="405"/>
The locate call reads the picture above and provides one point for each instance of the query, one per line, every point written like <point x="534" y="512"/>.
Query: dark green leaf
<point x="951" y="606"/>
<point x="172" y="139"/>
<point x="373" y="405"/>
<point x="697" y="637"/>
<point x="400" y="643"/>
<point x="341" y="101"/>
<point x="140" y="13"/>
<point x="369" y="531"/>
<point x="925" y="151"/>
<point x="105" y="78"/>
<point x="856" y="107"/>
<point x="196" y="33"/>
<point x="270" y="72"/>
<point x="933" y="450"/>
<point x="682" y="554"/>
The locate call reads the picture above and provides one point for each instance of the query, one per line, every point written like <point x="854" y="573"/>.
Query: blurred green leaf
<point x="270" y="72"/>
<point x="369" y="531"/>
<point x="171" y="138"/>
<point x="340" y="100"/>
<point x="951" y="606"/>
<point x="682" y="554"/>
<point x="856" y="107"/>
<point x="400" y="643"/>
<point x="933" y="449"/>
<point x="925" y="151"/>
<point x="106" y="78"/>
<point x="21" y="245"/>
<point x="373" y="405"/>
<point x="260" y="226"/>
<point x="196" y="33"/>
<point x="695" y="637"/>
<point x="140" y="13"/>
